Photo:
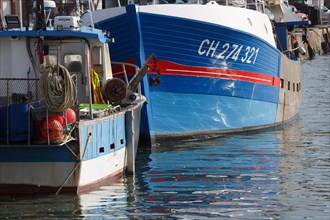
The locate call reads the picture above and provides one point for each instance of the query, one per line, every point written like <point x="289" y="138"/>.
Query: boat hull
<point x="50" y="177"/>
<point x="217" y="75"/>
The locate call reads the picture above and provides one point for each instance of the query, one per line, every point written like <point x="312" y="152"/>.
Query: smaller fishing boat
<point x="66" y="125"/>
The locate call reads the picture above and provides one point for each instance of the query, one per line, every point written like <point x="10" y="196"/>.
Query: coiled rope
<point x="58" y="88"/>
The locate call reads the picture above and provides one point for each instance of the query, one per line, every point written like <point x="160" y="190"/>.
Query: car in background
<point x="302" y="16"/>
<point x="324" y="14"/>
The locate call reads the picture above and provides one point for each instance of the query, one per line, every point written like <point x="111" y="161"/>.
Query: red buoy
<point x="59" y="118"/>
<point x="55" y="129"/>
<point x="70" y="116"/>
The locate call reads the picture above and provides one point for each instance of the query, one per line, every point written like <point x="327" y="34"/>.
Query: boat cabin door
<point x="74" y="56"/>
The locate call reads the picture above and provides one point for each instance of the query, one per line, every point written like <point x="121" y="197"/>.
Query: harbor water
<point x="281" y="173"/>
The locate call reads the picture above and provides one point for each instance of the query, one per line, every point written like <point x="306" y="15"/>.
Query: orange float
<point x="70" y="116"/>
<point x="55" y="129"/>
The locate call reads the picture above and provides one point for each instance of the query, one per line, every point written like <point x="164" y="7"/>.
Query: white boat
<point x="66" y="125"/>
<point x="222" y="67"/>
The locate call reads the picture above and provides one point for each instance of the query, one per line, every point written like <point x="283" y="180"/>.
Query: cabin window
<point x="97" y="60"/>
<point x="73" y="62"/>
<point x="97" y="55"/>
<point x="289" y="85"/>
<point x="282" y="83"/>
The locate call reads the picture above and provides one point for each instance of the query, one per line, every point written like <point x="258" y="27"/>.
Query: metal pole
<point x="2" y="17"/>
<point x="7" y="127"/>
<point x="89" y="83"/>
<point x="40" y="16"/>
<point x="19" y="11"/>
<point x="27" y="16"/>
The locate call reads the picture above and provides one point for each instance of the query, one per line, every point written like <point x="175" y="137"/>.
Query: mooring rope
<point x="58" y="88"/>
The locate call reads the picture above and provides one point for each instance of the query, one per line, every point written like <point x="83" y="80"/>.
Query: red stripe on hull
<point x="170" y="68"/>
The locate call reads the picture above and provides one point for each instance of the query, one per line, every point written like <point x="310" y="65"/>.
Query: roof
<point x="84" y="32"/>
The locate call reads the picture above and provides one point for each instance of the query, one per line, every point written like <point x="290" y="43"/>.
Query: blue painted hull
<point x="200" y="113"/>
<point x="183" y="41"/>
<point x="213" y="78"/>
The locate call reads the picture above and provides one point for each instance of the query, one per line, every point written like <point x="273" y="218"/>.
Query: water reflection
<point x="40" y="207"/>
<point x="226" y="177"/>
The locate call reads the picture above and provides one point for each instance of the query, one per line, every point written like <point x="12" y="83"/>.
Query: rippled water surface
<point x="278" y="174"/>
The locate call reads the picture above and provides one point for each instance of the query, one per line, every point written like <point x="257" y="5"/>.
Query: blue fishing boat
<point x="66" y="124"/>
<point x="222" y="66"/>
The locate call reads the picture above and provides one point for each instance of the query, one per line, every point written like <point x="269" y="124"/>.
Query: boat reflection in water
<point x="233" y="176"/>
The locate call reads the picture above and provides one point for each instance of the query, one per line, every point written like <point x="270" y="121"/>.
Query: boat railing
<point x="124" y="72"/>
<point x="258" y="5"/>
<point x="24" y="117"/>
<point x="16" y="97"/>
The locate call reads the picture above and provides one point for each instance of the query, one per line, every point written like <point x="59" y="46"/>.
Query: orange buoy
<point x="70" y="116"/>
<point x="59" y="118"/>
<point x="55" y="129"/>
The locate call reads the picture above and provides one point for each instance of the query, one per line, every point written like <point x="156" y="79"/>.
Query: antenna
<point x="91" y="8"/>
<point x="2" y="20"/>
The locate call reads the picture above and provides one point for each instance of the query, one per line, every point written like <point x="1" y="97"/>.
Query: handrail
<point x="123" y="64"/>
<point x="258" y="5"/>
<point x="135" y="82"/>
<point x="126" y="64"/>
<point x="17" y="91"/>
